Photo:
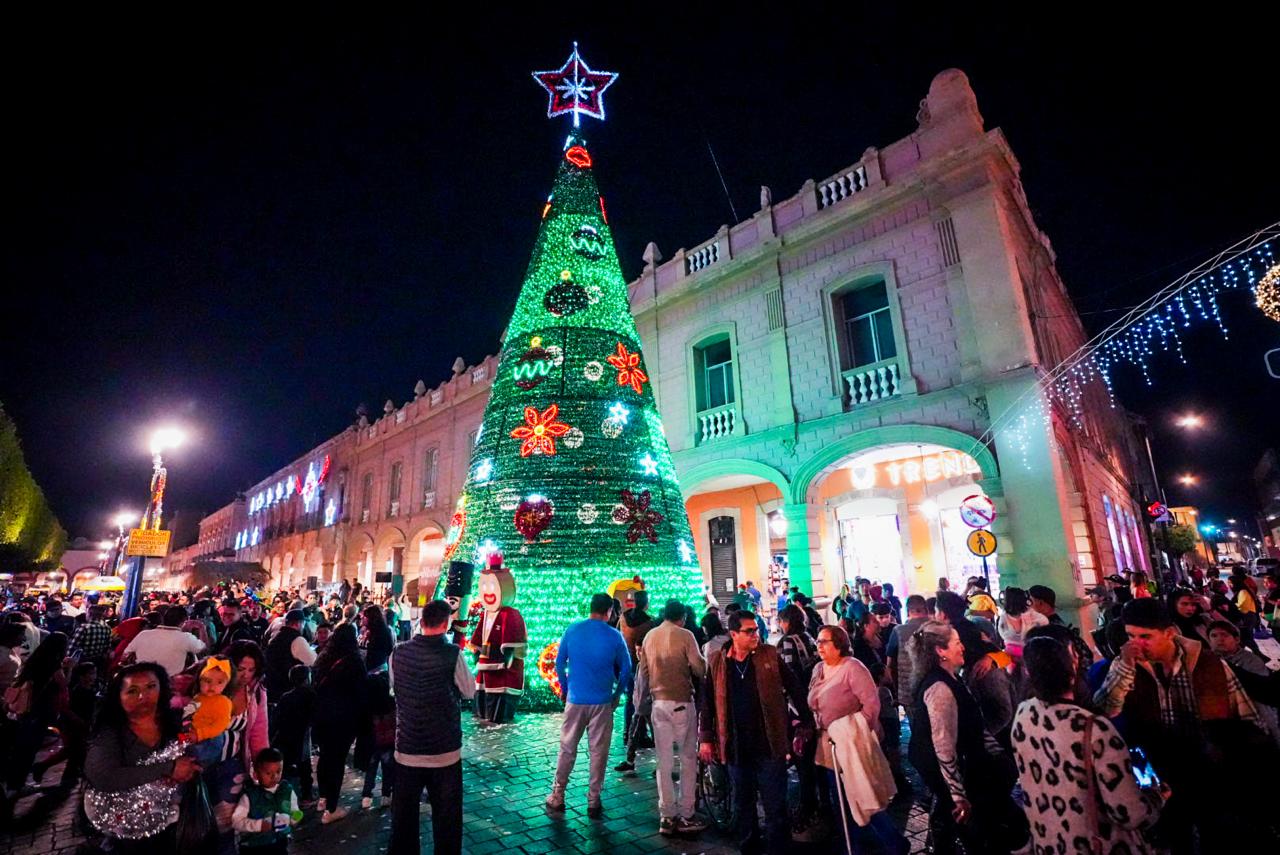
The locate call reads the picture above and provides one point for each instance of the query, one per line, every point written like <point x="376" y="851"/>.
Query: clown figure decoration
<point x="499" y="640"/>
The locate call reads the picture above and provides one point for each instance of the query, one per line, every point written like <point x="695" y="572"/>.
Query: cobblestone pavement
<point x="507" y="774"/>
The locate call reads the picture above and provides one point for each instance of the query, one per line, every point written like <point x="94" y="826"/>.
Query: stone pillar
<point x="1034" y="548"/>
<point x="397" y="570"/>
<point x="804" y="556"/>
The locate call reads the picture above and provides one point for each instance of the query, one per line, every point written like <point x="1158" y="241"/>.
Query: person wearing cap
<point x="286" y="649"/>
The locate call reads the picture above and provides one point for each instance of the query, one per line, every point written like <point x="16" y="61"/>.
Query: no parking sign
<point x="977" y="511"/>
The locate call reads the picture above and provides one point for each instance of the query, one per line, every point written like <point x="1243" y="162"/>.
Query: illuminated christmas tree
<point x="571" y="477"/>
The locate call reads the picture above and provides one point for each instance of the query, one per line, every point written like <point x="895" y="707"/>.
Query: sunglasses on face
<point x="751" y="630"/>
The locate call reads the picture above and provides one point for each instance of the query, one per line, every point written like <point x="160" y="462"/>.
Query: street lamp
<point x="1188" y="480"/>
<point x="1190" y="421"/>
<point x="161" y="440"/>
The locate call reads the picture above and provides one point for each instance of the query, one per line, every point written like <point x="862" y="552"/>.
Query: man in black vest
<point x="428" y="677"/>
<point x="287" y="648"/>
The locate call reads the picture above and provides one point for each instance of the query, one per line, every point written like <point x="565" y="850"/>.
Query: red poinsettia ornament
<point x="639" y="518"/>
<point x="629" y="371"/>
<point x="539" y="431"/>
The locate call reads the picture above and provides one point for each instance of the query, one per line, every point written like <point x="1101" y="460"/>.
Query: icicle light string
<point x="1131" y="339"/>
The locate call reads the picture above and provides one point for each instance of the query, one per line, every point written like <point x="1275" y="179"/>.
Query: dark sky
<point x="251" y="226"/>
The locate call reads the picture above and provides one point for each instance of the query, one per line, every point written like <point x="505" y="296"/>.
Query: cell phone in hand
<point x="1143" y="771"/>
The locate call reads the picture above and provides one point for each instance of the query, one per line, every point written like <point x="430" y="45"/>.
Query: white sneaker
<point x="366" y="802"/>
<point x="333" y="815"/>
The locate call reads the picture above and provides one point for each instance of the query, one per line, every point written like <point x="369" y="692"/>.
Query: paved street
<point x="508" y="772"/>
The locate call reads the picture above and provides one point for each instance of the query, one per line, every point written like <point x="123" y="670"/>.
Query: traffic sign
<point x="977" y="511"/>
<point x="981" y="543"/>
<point x="148" y="542"/>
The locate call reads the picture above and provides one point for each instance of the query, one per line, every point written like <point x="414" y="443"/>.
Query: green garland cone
<point x="571" y="477"/>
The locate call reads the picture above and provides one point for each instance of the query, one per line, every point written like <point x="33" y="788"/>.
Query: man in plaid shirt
<point x="1185" y="708"/>
<point x="93" y="639"/>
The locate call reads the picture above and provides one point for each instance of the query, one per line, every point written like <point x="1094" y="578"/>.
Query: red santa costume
<point x="500" y="642"/>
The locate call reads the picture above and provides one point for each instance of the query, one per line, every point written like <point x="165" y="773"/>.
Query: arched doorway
<point x="388" y="559"/>
<point x="735" y="514"/>
<point x="891" y="514"/>
<point x="423" y="562"/>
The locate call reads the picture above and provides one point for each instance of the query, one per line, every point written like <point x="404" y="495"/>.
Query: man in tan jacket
<point x="671" y="667"/>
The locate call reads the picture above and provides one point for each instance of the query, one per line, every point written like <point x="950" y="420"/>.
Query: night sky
<point x="252" y="226"/>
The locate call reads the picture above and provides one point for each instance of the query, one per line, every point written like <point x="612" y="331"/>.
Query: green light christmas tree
<point x="571" y="477"/>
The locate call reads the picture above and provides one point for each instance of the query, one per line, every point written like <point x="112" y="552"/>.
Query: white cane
<point x="840" y="805"/>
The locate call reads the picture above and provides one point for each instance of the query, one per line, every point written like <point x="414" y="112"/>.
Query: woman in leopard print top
<point x="1049" y="742"/>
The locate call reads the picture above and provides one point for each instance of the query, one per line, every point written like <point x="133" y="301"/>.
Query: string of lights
<point x="1149" y="330"/>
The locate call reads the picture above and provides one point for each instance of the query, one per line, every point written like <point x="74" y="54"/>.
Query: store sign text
<point x="913" y="470"/>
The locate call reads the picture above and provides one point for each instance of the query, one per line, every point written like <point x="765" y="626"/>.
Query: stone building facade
<point x="840" y="371"/>
<point x="836" y="374"/>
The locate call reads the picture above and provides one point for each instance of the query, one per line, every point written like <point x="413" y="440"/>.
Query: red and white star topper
<point x="575" y="88"/>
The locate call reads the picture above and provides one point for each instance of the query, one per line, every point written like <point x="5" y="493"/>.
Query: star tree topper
<point x="575" y="88"/>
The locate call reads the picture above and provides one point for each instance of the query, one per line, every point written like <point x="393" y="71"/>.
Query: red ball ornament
<point x="532" y="516"/>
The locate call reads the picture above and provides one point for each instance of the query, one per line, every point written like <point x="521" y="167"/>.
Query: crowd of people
<point x="230" y="718"/>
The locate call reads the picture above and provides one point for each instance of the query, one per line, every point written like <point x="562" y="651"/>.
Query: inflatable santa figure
<point x="499" y="640"/>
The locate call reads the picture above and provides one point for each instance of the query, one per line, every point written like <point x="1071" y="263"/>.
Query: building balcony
<point x="877" y="381"/>
<point x="717" y="423"/>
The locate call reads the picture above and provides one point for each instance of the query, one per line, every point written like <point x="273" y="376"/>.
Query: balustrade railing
<point x="842" y="186"/>
<point x="702" y="258"/>
<point x="875" y="382"/>
<point x="717" y="423"/>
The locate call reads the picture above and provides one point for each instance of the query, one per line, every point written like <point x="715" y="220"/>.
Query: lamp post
<point x="160" y="440"/>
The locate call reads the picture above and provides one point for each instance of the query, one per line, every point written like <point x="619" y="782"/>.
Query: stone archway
<point x="830" y="456"/>
<point x="423" y="560"/>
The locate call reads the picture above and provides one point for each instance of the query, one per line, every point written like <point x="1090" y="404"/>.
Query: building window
<point x="393" y="491"/>
<point x="713" y="367"/>
<point x="366" y="497"/>
<point x="429" y="477"/>
<point x="866" y="326"/>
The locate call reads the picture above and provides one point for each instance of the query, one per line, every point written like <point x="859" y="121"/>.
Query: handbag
<point x="197" y="830"/>
<point x="1091" y="796"/>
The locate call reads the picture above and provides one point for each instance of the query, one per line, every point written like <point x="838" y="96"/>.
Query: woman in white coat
<point x="842" y="686"/>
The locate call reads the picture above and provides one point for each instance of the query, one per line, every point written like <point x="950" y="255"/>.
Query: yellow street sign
<point x="148" y="543"/>
<point x="981" y="542"/>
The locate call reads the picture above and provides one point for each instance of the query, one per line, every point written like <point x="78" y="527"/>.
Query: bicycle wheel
<point x="715" y="794"/>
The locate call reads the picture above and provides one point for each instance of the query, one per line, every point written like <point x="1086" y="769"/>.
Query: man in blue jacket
<point x="594" y="667"/>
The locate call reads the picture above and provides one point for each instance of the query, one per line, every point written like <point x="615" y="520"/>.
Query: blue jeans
<point x="765" y="778"/>
<point x="207" y="752"/>
<point x="880" y="834"/>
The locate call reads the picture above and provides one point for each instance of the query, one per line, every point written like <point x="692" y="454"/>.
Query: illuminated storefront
<point x="892" y="514"/>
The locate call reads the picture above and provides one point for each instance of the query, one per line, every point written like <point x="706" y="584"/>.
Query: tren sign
<point x="913" y="470"/>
